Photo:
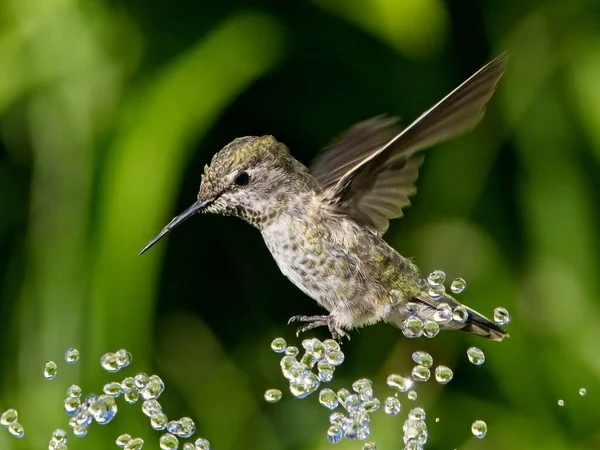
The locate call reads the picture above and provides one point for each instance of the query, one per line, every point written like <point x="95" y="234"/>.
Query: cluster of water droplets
<point x="84" y="410"/>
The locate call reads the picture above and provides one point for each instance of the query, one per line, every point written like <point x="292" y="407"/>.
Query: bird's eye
<point x="242" y="179"/>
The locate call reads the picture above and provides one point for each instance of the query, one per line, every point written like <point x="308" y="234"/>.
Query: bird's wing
<point x="370" y="172"/>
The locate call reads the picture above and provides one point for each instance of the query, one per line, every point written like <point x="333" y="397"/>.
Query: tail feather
<point x="482" y="326"/>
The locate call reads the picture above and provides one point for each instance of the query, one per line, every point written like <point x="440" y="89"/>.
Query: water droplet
<point x="364" y="388"/>
<point x="154" y="388"/>
<point x="342" y="394"/>
<point x="476" y="356"/>
<point x="399" y="382"/>
<point x="501" y="316"/>
<point x="123" y="358"/>
<point x="74" y="391"/>
<point x="58" y="436"/>
<point x="334" y="434"/>
<point x="395" y="297"/>
<point x="158" y="421"/>
<point x="123" y="440"/>
<point x="417" y="414"/>
<point x="50" y="370"/>
<point x="150" y="407"/>
<point x="108" y="362"/>
<point x="135" y="444"/>
<point x="412" y="327"/>
<point x="9" y="416"/>
<point x="336" y="418"/>
<point x="582" y="391"/>
<point x="420" y="373"/>
<point x="128" y="385"/>
<point x="104" y="409"/>
<point x="371" y="406"/>
<point x="292" y="351"/>
<point x="412" y="309"/>
<point x="561" y="403"/>
<point x="458" y="286"/>
<point x="412" y="395"/>
<point x="391" y="406"/>
<point x="422" y="358"/>
<point x="80" y="431"/>
<point x="443" y="314"/>
<point x="479" y="429"/>
<point x="460" y="314"/>
<point x="443" y="374"/>
<point x="414" y="431"/>
<point x="315" y="347"/>
<point x="328" y="399"/>
<point x="278" y="345"/>
<point x="351" y="402"/>
<point x="113" y="389"/>
<point x="325" y="370"/>
<point x="436" y="278"/>
<point x="72" y="356"/>
<point x="132" y="396"/>
<point x="16" y="429"/>
<point x="370" y="446"/>
<point x="273" y="395"/>
<point x="188" y="427"/>
<point x="335" y="357"/>
<point x="303" y="387"/>
<point x="430" y="328"/>
<point x="437" y="292"/>
<point x="168" y="442"/>
<point x="189" y="446"/>
<point x="330" y="345"/>
<point x="141" y="380"/>
<point x="202" y="444"/>
<point x="308" y="360"/>
<point x="437" y="420"/>
<point x="72" y="405"/>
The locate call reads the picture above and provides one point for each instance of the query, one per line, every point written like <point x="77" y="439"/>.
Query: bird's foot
<point x="337" y="333"/>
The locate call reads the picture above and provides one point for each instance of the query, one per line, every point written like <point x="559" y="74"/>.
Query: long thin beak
<point x="196" y="207"/>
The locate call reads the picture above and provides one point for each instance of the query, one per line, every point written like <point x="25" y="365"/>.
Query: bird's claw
<point x="318" y="321"/>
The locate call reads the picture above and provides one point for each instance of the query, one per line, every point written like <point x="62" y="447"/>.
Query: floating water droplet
<point x="303" y="387"/>
<point x="174" y="427"/>
<point x="315" y="347"/>
<point x="104" y="409"/>
<point x="430" y="328"/>
<point x="74" y="391"/>
<point x="58" y="436"/>
<point x="443" y="314"/>
<point x="351" y="402"/>
<point x="370" y="446"/>
<point x="437" y="291"/>
<point x="72" y="405"/>
<point x="342" y="394"/>
<point x="436" y="278"/>
<point x="371" y="406"/>
<point x="437" y="420"/>
<point x="399" y="382"/>
<point x="50" y="370"/>
<point x="141" y="381"/>
<point x="335" y="357"/>
<point x="202" y="444"/>
<point x="330" y="345"/>
<point x="328" y="399"/>
<point x="582" y="391"/>
<point x="308" y="360"/>
<point x="150" y="407"/>
<point x="412" y="395"/>
<point x="159" y="420"/>
<point x="9" y="416"/>
<point x="364" y="389"/>
<point x="132" y="396"/>
<point x="476" y="356"/>
<point x="443" y="374"/>
<point x="422" y="358"/>
<point x="417" y="414"/>
<point x="334" y="434"/>
<point x="412" y="327"/>
<point x="128" y="385"/>
<point x="325" y="370"/>
<point x="168" y="442"/>
<point x="460" y="314"/>
<point x="113" y="389"/>
<point x="123" y="358"/>
<point x="154" y="388"/>
<point x="108" y="362"/>
<point x="421" y="373"/>
<point x="391" y="406"/>
<point x="292" y="350"/>
<point x="479" y="429"/>
<point x="336" y="418"/>
<point x="135" y="444"/>
<point x="273" y="395"/>
<point x="501" y="316"/>
<point x="123" y="440"/>
<point x="278" y="345"/>
<point x="458" y="286"/>
<point x="16" y="429"/>
<point x="412" y="309"/>
<point x="414" y="430"/>
<point x="561" y="403"/>
<point x="189" y="446"/>
<point x="80" y="431"/>
<point x="72" y="356"/>
<point x="188" y="427"/>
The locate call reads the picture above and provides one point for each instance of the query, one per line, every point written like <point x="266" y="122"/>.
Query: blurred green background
<point x="109" y="111"/>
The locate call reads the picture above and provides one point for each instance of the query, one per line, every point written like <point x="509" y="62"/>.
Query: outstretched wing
<point x="370" y="172"/>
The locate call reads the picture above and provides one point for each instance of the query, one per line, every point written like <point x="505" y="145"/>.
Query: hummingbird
<point x="324" y="226"/>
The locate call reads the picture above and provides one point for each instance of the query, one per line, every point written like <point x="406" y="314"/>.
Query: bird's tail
<point x="482" y="326"/>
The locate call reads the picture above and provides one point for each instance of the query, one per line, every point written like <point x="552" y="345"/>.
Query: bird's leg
<point x="318" y="321"/>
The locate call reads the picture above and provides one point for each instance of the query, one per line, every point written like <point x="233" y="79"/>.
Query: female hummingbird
<point x="324" y="225"/>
